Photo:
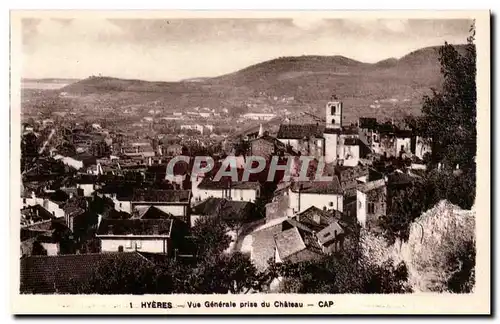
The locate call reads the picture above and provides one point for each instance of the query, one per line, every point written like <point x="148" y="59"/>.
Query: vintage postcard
<point x="251" y="162"/>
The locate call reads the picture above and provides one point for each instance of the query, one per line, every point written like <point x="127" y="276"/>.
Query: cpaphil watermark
<point x="231" y="167"/>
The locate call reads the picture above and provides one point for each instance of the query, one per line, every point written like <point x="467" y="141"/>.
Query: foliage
<point x="241" y="147"/>
<point x="209" y="237"/>
<point x="462" y="266"/>
<point x="211" y="272"/>
<point x="345" y="272"/>
<point x="449" y="121"/>
<point x="225" y="273"/>
<point x="410" y="203"/>
<point x="449" y="115"/>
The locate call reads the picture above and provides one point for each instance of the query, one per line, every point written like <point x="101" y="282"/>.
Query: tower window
<point x="333" y="121"/>
<point x="334" y="110"/>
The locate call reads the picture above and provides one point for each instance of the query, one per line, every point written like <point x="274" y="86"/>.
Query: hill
<point x="390" y="88"/>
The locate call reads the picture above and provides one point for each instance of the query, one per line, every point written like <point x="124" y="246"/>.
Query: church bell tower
<point x="334" y="114"/>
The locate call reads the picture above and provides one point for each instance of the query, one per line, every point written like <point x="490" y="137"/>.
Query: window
<point x="331" y="203"/>
<point x="360" y="205"/>
<point x="333" y="110"/>
<point x="333" y="121"/>
<point x="371" y="208"/>
<point x="120" y="248"/>
<point x="129" y="245"/>
<point x="120" y="205"/>
<point x="138" y="245"/>
<point x="24" y="200"/>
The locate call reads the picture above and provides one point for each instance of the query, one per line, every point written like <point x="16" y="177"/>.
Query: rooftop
<point x="372" y="185"/>
<point x="226" y="208"/>
<point x="300" y="131"/>
<point x="61" y="273"/>
<point x="151" y="195"/>
<point x="318" y="187"/>
<point x="137" y="227"/>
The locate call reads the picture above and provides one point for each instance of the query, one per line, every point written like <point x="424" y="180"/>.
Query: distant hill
<point x="389" y="88"/>
<point x="50" y="80"/>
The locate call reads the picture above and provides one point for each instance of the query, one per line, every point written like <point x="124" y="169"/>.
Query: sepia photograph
<point x="244" y="156"/>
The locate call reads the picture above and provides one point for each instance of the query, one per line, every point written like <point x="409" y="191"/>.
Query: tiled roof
<point x="350" y="130"/>
<point x="399" y="178"/>
<point x="403" y="133"/>
<point x="227" y="208"/>
<point x="148" y="195"/>
<point x="368" y="123"/>
<point x="372" y="185"/>
<point x="327" y="234"/>
<point x="293" y="241"/>
<point x="318" y="187"/>
<point x="351" y="141"/>
<point x="114" y="214"/>
<point x="60" y="274"/>
<point x="289" y="242"/>
<point x="226" y="183"/>
<point x="151" y="212"/>
<point x="315" y="218"/>
<point x="36" y="213"/>
<point x="299" y="131"/>
<point x="270" y="139"/>
<point x="137" y="227"/>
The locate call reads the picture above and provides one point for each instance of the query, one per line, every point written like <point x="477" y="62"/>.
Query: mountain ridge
<point x="388" y="88"/>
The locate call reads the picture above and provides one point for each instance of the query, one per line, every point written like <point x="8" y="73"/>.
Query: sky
<point x="177" y="49"/>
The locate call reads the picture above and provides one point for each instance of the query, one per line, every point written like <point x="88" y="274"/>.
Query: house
<point x="266" y="146"/>
<point x="35" y="214"/>
<point x="225" y="188"/>
<point x="145" y="235"/>
<point x="52" y="206"/>
<point x="173" y="202"/>
<point x="229" y="210"/>
<point x="321" y="194"/>
<point x="296" y="245"/>
<point x="304" y="138"/>
<point x="174" y="150"/>
<point x="193" y="127"/>
<point x="179" y="174"/>
<point x="87" y="183"/>
<point x="403" y="142"/>
<point x="140" y="149"/>
<point x="422" y="147"/>
<point x="348" y="151"/>
<point x="258" y="116"/>
<point x="60" y="274"/>
<point x="371" y="199"/>
<point x="73" y="162"/>
<point x="51" y="237"/>
<point x="308" y="235"/>
<point x="397" y="181"/>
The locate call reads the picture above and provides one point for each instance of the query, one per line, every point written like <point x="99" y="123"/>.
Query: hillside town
<point x="91" y="194"/>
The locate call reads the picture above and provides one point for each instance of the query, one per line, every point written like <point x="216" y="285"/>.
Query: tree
<point x="449" y="115"/>
<point x="124" y="276"/>
<point x="209" y="237"/>
<point x="342" y="273"/>
<point x="462" y="265"/>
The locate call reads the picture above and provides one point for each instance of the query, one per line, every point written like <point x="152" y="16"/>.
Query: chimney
<point x="300" y="189"/>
